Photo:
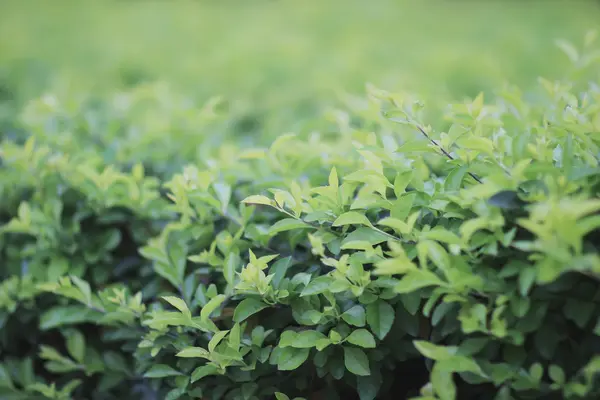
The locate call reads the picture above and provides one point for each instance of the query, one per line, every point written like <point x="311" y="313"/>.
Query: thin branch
<point x="420" y="128"/>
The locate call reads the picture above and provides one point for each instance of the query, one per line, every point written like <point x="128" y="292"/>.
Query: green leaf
<point x="556" y="374"/>
<point x="256" y="199"/>
<point x="193" y="352"/>
<point x="246" y="308"/>
<point x="352" y="218"/>
<point x="438" y="255"/>
<point x="291" y="358"/>
<point x="355" y="316"/>
<point x="216" y="339"/>
<point x="203" y="371"/>
<point x="279" y="269"/>
<point x="75" y="344"/>
<point x="454" y="179"/>
<point x="281" y="396"/>
<point x="411" y="302"/>
<point x="231" y="266"/>
<point x="176" y="393"/>
<point x="234" y="339"/>
<point x="402" y="206"/>
<point x="333" y="178"/>
<point x="526" y="280"/>
<point x="287" y="338"/>
<point x="362" y="338"/>
<point x="442" y="382"/>
<point x="161" y="371"/>
<point x="307" y="339"/>
<point x="506" y="200"/>
<point x="401" y="182"/>
<point x="536" y="371"/>
<point x="579" y="311"/>
<point x="368" y="386"/>
<point x="317" y="286"/>
<point x="396" y="224"/>
<point x="287" y="224"/>
<point x="178" y="304"/>
<point x="442" y="235"/>
<point x="380" y="317"/>
<point x="417" y="279"/>
<point x="356" y="361"/>
<point x="84" y="287"/>
<point x="434" y="352"/>
<point x="5" y="379"/>
<point x="211" y="306"/>
<point x="223" y="192"/>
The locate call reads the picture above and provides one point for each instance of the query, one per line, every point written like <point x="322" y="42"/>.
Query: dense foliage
<point x="378" y="255"/>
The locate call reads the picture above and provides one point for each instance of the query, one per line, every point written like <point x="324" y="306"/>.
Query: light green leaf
<point x="435" y="352"/>
<point x="75" y="342"/>
<point x="84" y="287"/>
<point x="442" y="235"/>
<point x="231" y="266"/>
<point x="438" y="254"/>
<point x="211" y="306"/>
<point x="556" y="374"/>
<point x="223" y="192"/>
<point x="333" y="178"/>
<point x="193" y="352"/>
<point x="178" y="304"/>
<point x="216" y="339"/>
<point x="362" y="338"/>
<point x="307" y="339"/>
<point x="317" y="286"/>
<point x="291" y="358"/>
<point x="287" y="224"/>
<point x="287" y="338"/>
<point x="417" y="279"/>
<point x="355" y="316"/>
<point x="234" y="339"/>
<point x="401" y="182"/>
<point x="203" y="371"/>
<point x="257" y="199"/>
<point x="442" y="382"/>
<point x="396" y="224"/>
<point x="352" y="218"/>
<point x="454" y="179"/>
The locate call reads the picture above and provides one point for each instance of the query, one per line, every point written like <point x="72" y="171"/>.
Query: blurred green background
<point x="283" y="57"/>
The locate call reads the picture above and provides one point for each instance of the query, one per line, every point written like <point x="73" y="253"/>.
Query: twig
<point x="420" y="128"/>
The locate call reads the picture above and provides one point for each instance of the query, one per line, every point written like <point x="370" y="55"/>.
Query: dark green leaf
<point x="246" y="308"/>
<point x="380" y="317"/>
<point x="161" y="371"/>
<point x="356" y="361"/>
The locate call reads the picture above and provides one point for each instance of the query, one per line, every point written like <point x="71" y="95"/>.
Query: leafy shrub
<point x="387" y="260"/>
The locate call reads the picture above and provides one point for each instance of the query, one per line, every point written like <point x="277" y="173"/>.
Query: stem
<point x="444" y="152"/>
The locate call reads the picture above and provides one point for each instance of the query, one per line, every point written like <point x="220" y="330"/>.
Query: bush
<point x="387" y="260"/>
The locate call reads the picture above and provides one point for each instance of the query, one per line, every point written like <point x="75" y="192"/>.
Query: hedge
<point x="384" y="258"/>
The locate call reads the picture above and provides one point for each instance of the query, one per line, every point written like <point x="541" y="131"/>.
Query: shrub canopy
<point x="377" y="256"/>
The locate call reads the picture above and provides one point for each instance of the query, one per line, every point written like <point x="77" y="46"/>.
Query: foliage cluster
<point x="388" y="259"/>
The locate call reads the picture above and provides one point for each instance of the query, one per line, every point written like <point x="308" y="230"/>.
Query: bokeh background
<point x="280" y="62"/>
